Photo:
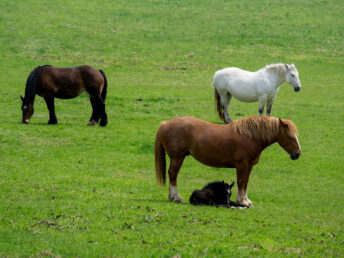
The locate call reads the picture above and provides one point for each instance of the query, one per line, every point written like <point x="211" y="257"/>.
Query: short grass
<point x="73" y="190"/>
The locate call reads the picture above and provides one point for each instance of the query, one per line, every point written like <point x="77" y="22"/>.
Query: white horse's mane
<point x="276" y="68"/>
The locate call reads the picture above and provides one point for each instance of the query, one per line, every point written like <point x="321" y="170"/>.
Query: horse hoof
<point x="246" y="203"/>
<point x="92" y="123"/>
<point x="176" y="199"/>
<point x="52" y="122"/>
<point x="103" y="120"/>
<point x="103" y="123"/>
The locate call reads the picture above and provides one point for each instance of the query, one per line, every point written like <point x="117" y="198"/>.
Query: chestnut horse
<point x="236" y="145"/>
<point x="65" y="83"/>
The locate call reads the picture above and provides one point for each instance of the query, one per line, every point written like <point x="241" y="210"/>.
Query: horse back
<point x="69" y="82"/>
<point x="211" y="144"/>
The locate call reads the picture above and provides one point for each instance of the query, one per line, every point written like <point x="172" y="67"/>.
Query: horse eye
<point x="292" y="75"/>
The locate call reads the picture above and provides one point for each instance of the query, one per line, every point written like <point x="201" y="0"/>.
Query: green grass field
<point x="74" y="190"/>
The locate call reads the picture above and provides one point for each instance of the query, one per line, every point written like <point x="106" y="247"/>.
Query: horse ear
<point x="231" y="185"/>
<point x="22" y="99"/>
<point x="283" y="123"/>
<point x="287" y="66"/>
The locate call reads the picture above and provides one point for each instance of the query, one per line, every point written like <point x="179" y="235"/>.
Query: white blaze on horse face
<point x="297" y="140"/>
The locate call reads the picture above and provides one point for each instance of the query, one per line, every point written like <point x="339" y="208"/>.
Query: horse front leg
<point x="51" y="107"/>
<point x="269" y="106"/>
<point x="243" y="174"/>
<point x="262" y="100"/>
<point x="173" y="170"/>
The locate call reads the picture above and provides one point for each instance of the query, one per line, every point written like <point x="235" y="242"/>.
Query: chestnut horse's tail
<point x="160" y="160"/>
<point x="105" y="85"/>
<point x="218" y="105"/>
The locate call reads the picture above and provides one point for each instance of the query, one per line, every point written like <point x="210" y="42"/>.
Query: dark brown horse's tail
<point x="105" y="85"/>
<point x="218" y="105"/>
<point x="160" y="160"/>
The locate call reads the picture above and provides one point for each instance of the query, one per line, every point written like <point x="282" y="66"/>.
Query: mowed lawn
<point x="73" y="190"/>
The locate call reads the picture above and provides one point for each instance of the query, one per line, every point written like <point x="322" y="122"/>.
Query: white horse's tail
<point x="218" y="105"/>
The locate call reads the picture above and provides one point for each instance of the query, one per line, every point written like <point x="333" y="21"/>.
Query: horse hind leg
<point x="103" y="115"/>
<point x="225" y="101"/>
<point x="95" y="112"/>
<point x="98" y="107"/>
<point x="173" y="170"/>
<point x="51" y="107"/>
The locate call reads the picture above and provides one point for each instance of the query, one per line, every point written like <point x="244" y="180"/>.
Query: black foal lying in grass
<point x="216" y="193"/>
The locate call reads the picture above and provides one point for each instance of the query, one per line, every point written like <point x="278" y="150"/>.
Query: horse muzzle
<point x="296" y="89"/>
<point x="294" y="155"/>
<point x="26" y="121"/>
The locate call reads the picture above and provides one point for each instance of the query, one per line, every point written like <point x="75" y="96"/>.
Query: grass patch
<point x="72" y="190"/>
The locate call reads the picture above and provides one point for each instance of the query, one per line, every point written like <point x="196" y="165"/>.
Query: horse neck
<point x="30" y="94"/>
<point x="30" y="89"/>
<point x="271" y="140"/>
<point x="266" y="144"/>
<point x="264" y="136"/>
<point x="276" y="77"/>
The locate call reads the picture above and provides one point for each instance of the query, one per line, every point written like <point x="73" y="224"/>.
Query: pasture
<point x="73" y="190"/>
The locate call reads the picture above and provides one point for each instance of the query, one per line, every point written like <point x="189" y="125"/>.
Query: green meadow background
<point x="73" y="190"/>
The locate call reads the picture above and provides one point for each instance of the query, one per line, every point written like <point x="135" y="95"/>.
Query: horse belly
<point x="216" y="163"/>
<point x="211" y="154"/>
<point x="239" y="83"/>
<point x="68" y="93"/>
<point x="243" y="92"/>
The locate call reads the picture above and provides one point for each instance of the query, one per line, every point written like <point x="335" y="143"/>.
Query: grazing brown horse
<point x="65" y="83"/>
<point x="236" y="145"/>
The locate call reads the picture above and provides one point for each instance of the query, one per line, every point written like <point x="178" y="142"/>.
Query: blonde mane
<point x="263" y="128"/>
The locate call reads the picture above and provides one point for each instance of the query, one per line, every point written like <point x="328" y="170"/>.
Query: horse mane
<point x="263" y="128"/>
<point x="215" y="184"/>
<point x="279" y="68"/>
<point x="30" y="89"/>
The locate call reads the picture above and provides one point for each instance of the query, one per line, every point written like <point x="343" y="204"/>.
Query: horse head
<point x="228" y="188"/>
<point x="288" y="139"/>
<point x="292" y="77"/>
<point x="229" y="191"/>
<point x="27" y="108"/>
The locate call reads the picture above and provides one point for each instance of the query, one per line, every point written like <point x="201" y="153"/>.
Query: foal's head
<point x="288" y="138"/>
<point x="27" y="108"/>
<point x="292" y="77"/>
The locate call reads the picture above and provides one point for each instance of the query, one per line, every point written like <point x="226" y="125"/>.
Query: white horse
<point x="261" y="86"/>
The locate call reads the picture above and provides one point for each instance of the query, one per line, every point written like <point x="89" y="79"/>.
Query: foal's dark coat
<point x="216" y="193"/>
<point x="65" y="83"/>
